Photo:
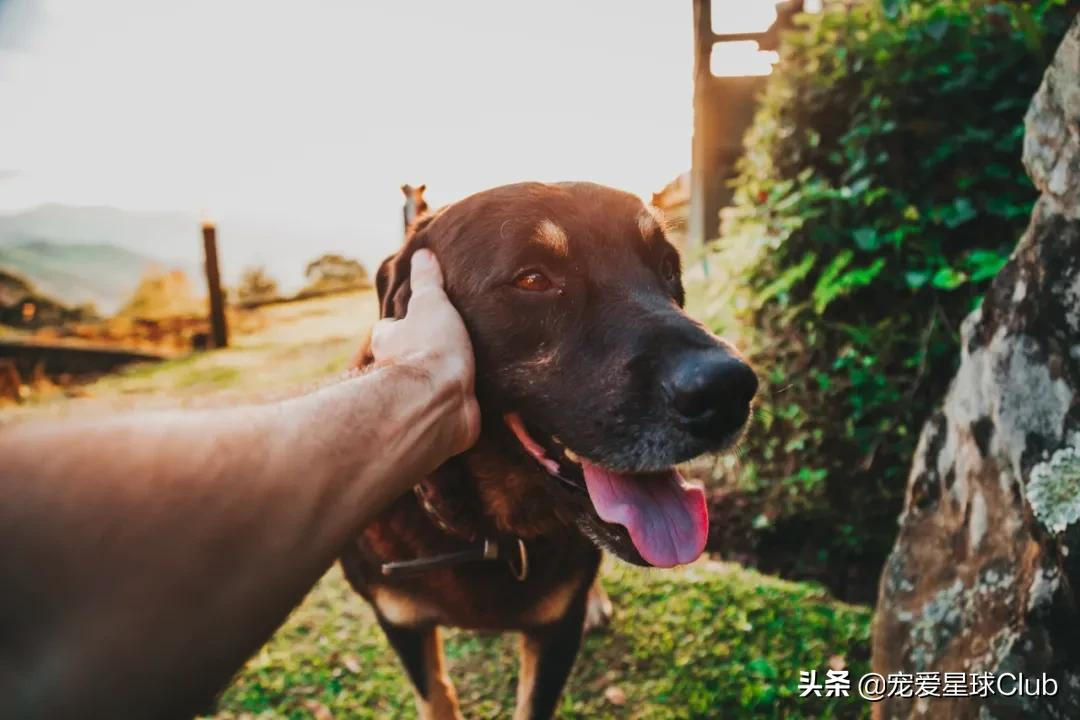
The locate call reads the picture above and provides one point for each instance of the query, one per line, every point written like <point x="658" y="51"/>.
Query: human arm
<point x="145" y="556"/>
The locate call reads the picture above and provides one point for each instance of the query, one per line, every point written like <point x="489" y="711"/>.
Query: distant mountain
<point x="95" y="254"/>
<point x="99" y="273"/>
<point x="28" y="241"/>
<point x="166" y="236"/>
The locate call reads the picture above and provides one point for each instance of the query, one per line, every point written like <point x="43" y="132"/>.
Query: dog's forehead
<point x="622" y="227"/>
<point x="592" y="231"/>
<point x="582" y="223"/>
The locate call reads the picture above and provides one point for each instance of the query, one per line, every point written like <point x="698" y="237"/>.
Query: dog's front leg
<point x="598" y="609"/>
<point x="420" y="650"/>
<point x="547" y="655"/>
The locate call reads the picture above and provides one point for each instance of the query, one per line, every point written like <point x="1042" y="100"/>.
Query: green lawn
<point x="707" y="641"/>
<point x="277" y="350"/>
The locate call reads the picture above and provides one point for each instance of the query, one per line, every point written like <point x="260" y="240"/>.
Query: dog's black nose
<point x="712" y="391"/>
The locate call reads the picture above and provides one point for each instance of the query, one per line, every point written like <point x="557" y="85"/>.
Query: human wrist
<point x="435" y="411"/>
<point x="347" y="439"/>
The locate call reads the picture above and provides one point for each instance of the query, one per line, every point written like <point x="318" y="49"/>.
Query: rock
<point x="981" y="576"/>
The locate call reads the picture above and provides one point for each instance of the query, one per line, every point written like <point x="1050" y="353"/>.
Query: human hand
<point x="432" y="340"/>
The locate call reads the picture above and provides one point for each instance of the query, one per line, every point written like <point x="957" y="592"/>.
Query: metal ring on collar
<point x="522" y="570"/>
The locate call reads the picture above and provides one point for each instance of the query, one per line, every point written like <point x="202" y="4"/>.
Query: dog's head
<point x="591" y="379"/>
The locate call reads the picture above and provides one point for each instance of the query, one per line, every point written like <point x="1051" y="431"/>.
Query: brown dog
<point x="592" y="384"/>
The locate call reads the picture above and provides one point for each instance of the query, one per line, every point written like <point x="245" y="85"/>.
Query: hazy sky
<point x="315" y="112"/>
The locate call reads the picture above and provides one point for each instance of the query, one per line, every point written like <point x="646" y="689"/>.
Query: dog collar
<point x="516" y="557"/>
<point x="425" y="498"/>
<point x="512" y="549"/>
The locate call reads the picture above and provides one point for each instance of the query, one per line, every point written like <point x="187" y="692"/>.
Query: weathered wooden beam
<point x="735" y="37"/>
<point x="697" y="221"/>
<point x="219" y="330"/>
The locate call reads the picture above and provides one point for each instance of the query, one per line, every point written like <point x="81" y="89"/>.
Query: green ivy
<point x="880" y="192"/>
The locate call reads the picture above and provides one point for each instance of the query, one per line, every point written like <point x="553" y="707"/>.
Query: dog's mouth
<point x="665" y="517"/>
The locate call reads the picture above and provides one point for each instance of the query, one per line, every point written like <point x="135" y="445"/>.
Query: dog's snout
<point x="712" y="390"/>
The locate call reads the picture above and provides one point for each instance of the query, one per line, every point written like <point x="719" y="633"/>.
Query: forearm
<point x="159" y="551"/>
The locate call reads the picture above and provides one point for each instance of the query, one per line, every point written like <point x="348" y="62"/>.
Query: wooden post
<point x="723" y="110"/>
<point x="219" y="331"/>
<point x="698" y="222"/>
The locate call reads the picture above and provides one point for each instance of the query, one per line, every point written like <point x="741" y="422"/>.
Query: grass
<point x="273" y="351"/>
<point x="710" y="640"/>
<point x="8" y="331"/>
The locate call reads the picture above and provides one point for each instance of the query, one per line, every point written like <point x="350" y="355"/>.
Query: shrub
<point x="334" y="273"/>
<point x="880" y="192"/>
<point x="161" y="294"/>
<point x="256" y="286"/>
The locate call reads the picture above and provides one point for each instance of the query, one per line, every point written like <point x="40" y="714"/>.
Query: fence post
<point x="698" y="221"/>
<point x="219" y="330"/>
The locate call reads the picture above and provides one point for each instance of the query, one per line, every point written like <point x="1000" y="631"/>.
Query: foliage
<point x="23" y="305"/>
<point x="880" y="192"/>
<point x="256" y="285"/>
<point x="700" y="642"/>
<point x="334" y="273"/>
<point x="162" y="294"/>
<point x="14" y="287"/>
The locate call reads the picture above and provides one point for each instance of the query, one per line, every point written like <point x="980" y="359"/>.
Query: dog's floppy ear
<point x="392" y="278"/>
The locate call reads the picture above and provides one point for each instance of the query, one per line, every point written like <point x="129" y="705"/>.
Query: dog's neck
<point x="450" y="499"/>
<point x="492" y="491"/>
<point x="450" y="502"/>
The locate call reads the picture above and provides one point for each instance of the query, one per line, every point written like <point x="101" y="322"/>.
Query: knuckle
<point x="380" y="333"/>
<point x="429" y="294"/>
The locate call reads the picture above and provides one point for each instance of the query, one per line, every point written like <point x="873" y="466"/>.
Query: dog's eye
<point x="533" y="281"/>
<point x="669" y="269"/>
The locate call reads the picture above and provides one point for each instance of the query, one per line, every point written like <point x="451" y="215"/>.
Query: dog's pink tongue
<point x="666" y="518"/>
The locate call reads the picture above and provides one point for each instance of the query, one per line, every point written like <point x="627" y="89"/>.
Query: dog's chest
<point x="480" y="595"/>
<point x="479" y="605"/>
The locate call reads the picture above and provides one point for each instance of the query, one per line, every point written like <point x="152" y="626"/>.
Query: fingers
<point x="431" y="328"/>
<point x="433" y="339"/>
<point x="425" y="271"/>
<point x="426" y="281"/>
<point x="381" y="332"/>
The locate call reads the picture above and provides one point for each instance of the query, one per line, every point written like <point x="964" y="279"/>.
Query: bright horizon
<point x="314" y="114"/>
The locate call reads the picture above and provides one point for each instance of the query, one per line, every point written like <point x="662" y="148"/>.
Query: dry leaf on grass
<point x="615" y="695"/>
<point x="318" y="710"/>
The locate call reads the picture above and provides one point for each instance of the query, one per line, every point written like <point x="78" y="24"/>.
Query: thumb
<point x="425" y="271"/>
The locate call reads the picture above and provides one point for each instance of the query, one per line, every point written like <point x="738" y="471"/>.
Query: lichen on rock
<point x="937" y="623"/>
<point x="1054" y="488"/>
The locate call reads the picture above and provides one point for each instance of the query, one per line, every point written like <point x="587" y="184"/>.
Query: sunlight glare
<point x="310" y="116"/>
<point x="741" y="58"/>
